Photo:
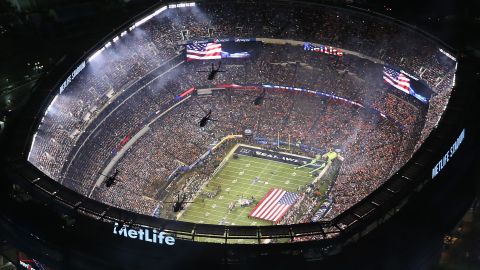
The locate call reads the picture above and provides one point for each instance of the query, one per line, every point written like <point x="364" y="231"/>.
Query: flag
<point x="396" y="79"/>
<point x="274" y="205"/>
<point x="204" y="51"/>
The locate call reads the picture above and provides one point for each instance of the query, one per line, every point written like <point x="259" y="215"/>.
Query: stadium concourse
<point x="125" y="109"/>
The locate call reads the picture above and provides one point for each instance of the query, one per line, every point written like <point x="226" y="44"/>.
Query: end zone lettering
<point x="266" y="154"/>
<point x="144" y="234"/>
<point x="273" y="156"/>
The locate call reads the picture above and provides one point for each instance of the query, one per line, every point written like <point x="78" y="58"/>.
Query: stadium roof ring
<point x="286" y="161"/>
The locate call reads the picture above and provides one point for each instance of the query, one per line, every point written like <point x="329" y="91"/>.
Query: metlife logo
<point x="446" y="158"/>
<point x="144" y="234"/>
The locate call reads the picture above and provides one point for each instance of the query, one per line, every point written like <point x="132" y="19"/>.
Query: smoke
<point x="199" y="15"/>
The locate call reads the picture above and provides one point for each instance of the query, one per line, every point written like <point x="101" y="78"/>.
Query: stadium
<point x="230" y="128"/>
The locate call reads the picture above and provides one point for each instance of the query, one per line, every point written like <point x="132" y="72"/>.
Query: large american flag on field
<point x="204" y="51"/>
<point x="274" y="205"/>
<point x="396" y="79"/>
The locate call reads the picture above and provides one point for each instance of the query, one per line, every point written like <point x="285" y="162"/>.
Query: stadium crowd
<point x="110" y="101"/>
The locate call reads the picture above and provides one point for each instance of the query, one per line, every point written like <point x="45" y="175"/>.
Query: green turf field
<point x="236" y="180"/>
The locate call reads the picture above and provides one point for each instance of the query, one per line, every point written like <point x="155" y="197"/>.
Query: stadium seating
<point x="84" y="126"/>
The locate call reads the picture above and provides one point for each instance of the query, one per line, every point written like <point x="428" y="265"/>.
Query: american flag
<point x="274" y="205"/>
<point x="396" y="79"/>
<point x="204" y="51"/>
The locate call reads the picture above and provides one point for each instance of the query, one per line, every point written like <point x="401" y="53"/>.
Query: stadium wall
<point x="113" y="34"/>
<point x="39" y="217"/>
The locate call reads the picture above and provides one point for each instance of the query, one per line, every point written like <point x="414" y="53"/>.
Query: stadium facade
<point x="47" y="217"/>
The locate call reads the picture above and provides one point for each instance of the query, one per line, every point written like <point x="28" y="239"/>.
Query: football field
<point x="240" y="178"/>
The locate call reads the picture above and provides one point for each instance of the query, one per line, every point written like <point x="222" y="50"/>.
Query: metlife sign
<point x="441" y="164"/>
<point x="144" y="234"/>
<point x="72" y="76"/>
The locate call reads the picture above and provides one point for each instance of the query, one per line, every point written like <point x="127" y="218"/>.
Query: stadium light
<point x="33" y="143"/>
<point x="180" y="5"/>
<point x="51" y="104"/>
<point x="147" y="18"/>
<point x="160" y="10"/>
<point x="96" y="54"/>
<point x="142" y="21"/>
<point x="138" y="23"/>
<point x="447" y="54"/>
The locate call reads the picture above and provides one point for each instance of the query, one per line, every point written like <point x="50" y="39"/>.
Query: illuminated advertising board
<point x="448" y="155"/>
